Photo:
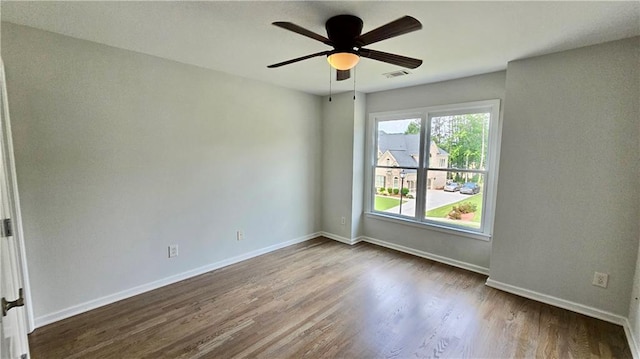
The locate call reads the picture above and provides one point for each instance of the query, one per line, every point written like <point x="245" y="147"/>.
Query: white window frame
<point x="425" y="114"/>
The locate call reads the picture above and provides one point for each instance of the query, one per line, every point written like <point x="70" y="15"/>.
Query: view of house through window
<point x="456" y="147"/>
<point x="398" y="156"/>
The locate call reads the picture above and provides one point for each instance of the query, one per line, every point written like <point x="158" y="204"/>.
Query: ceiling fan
<point x="344" y="35"/>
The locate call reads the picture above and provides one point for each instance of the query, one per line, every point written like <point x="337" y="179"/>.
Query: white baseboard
<point x="574" y="307"/>
<point x="561" y="303"/>
<point x="631" y="338"/>
<point x="558" y="302"/>
<point x="112" y="298"/>
<point x="433" y="257"/>
<point x="338" y="238"/>
<point x="415" y="252"/>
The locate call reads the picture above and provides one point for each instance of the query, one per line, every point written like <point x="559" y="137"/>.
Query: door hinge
<point x="6" y="306"/>
<point x="7" y="227"/>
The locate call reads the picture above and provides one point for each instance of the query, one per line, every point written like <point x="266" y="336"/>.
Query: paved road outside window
<point x="438" y="198"/>
<point x="435" y="199"/>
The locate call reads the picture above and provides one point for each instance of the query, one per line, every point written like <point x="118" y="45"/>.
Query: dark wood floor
<point x="321" y="298"/>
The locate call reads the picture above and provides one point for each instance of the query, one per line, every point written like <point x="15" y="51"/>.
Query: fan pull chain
<point x="354" y="84"/>
<point x="329" y="83"/>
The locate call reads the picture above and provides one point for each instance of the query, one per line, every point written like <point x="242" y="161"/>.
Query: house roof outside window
<point x="405" y="148"/>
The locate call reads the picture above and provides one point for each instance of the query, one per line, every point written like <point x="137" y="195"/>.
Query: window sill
<point x="430" y="226"/>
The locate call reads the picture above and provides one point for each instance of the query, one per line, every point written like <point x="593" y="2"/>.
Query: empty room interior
<point x="320" y="179"/>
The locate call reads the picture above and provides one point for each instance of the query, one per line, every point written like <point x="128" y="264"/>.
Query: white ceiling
<point x="458" y="39"/>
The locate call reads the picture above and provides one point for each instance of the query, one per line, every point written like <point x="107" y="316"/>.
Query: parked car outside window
<point x="452" y="187"/>
<point x="470" y="188"/>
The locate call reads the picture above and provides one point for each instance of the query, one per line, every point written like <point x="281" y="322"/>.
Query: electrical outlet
<point x="600" y="279"/>
<point x="343" y="221"/>
<point x="239" y="235"/>
<point x="173" y="250"/>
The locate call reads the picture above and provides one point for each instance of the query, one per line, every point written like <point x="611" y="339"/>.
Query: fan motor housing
<point x="342" y="30"/>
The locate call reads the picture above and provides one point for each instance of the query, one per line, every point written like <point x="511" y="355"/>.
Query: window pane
<point x="455" y="198"/>
<point x="459" y="141"/>
<point x="399" y="143"/>
<point x="388" y="199"/>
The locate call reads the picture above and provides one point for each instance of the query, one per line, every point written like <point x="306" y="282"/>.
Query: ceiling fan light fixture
<point x="343" y="60"/>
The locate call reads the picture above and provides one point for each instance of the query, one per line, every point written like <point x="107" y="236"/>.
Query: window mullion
<point x="421" y="200"/>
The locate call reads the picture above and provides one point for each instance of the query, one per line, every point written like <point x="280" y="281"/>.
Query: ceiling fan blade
<point x="395" y="28"/>
<point x="342" y="75"/>
<point x="302" y="31"/>
<point x="394" y="59"/>
<point x="298" y="59"/>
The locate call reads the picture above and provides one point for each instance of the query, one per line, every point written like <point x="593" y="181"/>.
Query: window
<point x="380" y="182"/>
<point x="445" y="159"/>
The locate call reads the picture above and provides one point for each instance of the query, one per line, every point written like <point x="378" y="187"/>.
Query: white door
<point x="13" y="322"/>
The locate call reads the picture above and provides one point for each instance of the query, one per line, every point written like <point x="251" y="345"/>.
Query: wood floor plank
<point x="321" y="298"/>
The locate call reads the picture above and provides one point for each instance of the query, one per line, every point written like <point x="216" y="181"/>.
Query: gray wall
<point x="342" y="155"/>
<point x="634" y="307"/>
<point x="357" y="204"/>
<point x="568" y="191"/>
<point x="120" y="154"/>
<point x="337" y="163"/>
<point x="484" y="87"/>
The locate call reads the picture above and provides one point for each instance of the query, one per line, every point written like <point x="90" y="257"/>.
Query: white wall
<point x="568" y="190"/>
<point x="120" y="154"/>
<point x="469" y="251"/>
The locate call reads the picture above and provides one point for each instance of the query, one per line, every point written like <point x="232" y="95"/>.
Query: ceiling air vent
<point x="393" y="74"/>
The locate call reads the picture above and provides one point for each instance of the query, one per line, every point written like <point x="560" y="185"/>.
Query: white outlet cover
<point x="600" y="279"/>
<point x="173" y="250"/>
